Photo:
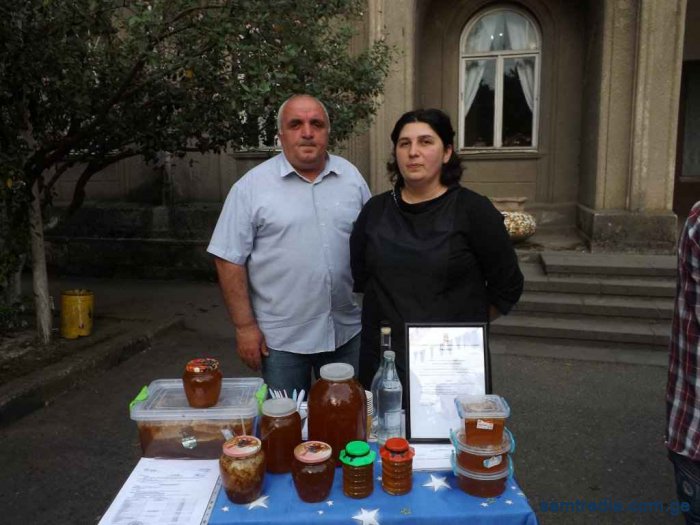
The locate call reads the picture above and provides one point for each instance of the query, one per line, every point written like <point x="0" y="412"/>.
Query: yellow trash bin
<point x="76" y="313"/>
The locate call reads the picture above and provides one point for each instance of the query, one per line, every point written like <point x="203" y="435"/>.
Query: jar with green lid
<point x="358" y="469"/>
<point x="397" y="466"/>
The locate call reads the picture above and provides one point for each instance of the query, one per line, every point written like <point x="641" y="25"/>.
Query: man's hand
<point x="250" y="344"/>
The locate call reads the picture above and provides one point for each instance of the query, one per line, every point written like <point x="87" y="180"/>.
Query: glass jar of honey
<point x="358" y="469"/>
<point x="202" y="382"/>
<point x="313" y="470"/>
<point x="242" y="467"/>
<point x="337" y="408"/>
<point x="397" y="466"/>
<point x="280" y="432"/>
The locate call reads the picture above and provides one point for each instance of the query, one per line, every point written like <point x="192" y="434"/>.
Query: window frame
<point x="500" y="57"/>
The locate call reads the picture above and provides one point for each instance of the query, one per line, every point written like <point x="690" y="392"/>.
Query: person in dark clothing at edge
<point x="429" y="250"/>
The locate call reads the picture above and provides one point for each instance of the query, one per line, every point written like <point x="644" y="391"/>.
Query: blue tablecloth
<point x="424" y="504"/>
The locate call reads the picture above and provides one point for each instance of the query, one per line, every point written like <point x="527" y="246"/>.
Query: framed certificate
<point x="443" y="361"/>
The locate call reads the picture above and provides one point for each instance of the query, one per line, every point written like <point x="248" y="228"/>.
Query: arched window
<point x="499" y="80"/>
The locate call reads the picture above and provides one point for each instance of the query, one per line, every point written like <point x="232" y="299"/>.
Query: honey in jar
<point x="337" y="408"/>
<point x="242" y="467"/>
<point x="202" y="382"/>
<point x="484" y="419"/>
<point x="280" y="432"/>
<point x="481" y="459"/>
<point x="397" y="466"/>
<point x="358" y="469"/>
<point x="313" y="470"/>
<point x="482" y="485"/>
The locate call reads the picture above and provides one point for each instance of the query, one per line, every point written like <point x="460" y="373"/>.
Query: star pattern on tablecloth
<point x="329" y="502"/>
<point x="437" y="482"/>
<point x="260" y="502"/>
<point x="509" y="502"/>
<point x="224" y="508"/>
<point x="406" y="511"/>
<point x="521" y="494"/>
<point x="367" y="517"/>
<point x="491" y="501"/>
<point x="484" y="504"/>
<point x="320" y="512"/>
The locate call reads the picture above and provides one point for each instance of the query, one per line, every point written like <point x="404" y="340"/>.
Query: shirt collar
<point x="332" y="166"/>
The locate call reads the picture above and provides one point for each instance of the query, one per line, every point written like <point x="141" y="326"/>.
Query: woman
<point x="429" y="250"/>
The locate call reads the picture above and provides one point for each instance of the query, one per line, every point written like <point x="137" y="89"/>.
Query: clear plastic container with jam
<point x="397" y="466"/>
<point x="170" y="428"/>
<point x="337" y="408"/>
<point x="242" y="468"/>
<point x="482" y="460"/>
<point x="358" y="469"/>
<point x="484" y="418"/>
<point x="280" y="432"/>
<point x="480" y="484"/>
<point x="313" y="470"/>
<point x="202" y="382"/>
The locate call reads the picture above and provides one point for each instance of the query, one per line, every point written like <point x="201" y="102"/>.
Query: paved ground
<point x="586" y="431"/>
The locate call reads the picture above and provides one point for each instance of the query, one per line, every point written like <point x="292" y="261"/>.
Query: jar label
<point x="482" y="424"/>
<point x="493" y="461"/>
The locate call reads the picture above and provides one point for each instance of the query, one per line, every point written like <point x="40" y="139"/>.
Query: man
<point x="682" y="403"/>
<point x="282" y="253"/>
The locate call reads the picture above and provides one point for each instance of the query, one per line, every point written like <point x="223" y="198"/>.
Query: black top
<point x="443" y="260"/>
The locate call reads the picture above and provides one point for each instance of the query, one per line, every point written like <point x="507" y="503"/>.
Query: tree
<point x="86" y="83"/>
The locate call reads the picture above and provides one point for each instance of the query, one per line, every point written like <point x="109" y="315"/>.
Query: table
<point x="435" y="498"/>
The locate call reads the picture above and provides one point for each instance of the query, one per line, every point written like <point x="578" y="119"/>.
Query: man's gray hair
<point x="284" y="104"/>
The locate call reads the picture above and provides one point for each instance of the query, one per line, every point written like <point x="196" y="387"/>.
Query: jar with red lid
<point x="358" y="469"/>
<point x="202" y="382"/>
<point x="280" y="432"/>
<point x="337" y="407"/>
<point x="313" y="470"/>
<point x="397" y="466"/>
<point x="242" y="467"/>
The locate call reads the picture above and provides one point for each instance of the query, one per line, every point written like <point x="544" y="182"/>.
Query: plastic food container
<point x="479" y="484"/>
<point x="484" y="418"/>
<point x="170" y="428"/>
<point x="481" y="460"/>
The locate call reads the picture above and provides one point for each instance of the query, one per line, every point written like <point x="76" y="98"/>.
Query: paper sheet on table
<point x="432" y="456"/>
<point x="174" y="491"/>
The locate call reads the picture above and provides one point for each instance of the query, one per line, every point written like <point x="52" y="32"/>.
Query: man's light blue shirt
<point x="293" y="236"/>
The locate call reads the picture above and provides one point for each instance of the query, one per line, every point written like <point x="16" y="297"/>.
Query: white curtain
<point x="479" y="42"/>
<point x="517" y="28"/>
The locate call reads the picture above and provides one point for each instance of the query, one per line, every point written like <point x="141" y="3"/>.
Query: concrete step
<point x="574" y="263"/>
<point x="536" y="280"/>
<point x="592" y="305"/>
<point x="649" y="333"/>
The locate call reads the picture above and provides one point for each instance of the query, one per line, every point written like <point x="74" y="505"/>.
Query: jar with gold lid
<point x="202" y="382"/>
<point x="242" y="467"/>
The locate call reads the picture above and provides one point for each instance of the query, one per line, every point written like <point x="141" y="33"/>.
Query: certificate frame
<point x="443" y="360"/>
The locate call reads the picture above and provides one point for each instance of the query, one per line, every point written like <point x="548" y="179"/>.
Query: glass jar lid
<point x="202" y="364"/>
<point x="313" y="452"/>
<point x="337" y="372"/>
<point x="279" y="407"/>
<point x="357" y="454"/>
<point x="241" y="446"/>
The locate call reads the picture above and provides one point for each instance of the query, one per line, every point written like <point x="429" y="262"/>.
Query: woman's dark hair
<point x="440" y="124"/>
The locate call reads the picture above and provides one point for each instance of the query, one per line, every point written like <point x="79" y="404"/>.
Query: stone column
<point x="628" y="157"/>
<point x="393" y="20"/>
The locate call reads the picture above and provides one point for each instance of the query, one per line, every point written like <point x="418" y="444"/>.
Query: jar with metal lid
<point x="337" y="407"/>
<point x="358" y="469"/>
<point x="202" y="382"/>
<point x="313" y="470"/>
<point x="280" y="432"/>
<point x="242" y="467"/>
<point x="397" y="466"/>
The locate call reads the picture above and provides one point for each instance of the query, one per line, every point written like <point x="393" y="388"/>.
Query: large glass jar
<point x="397" y="466"/>
<point x="242" y="467"/>
<point x="280" y="431"/>
<point x="313" y="470"/>
<point x="202" y="382"/>
<point x="337" y="408"/>
<point x="358" y="469"/>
